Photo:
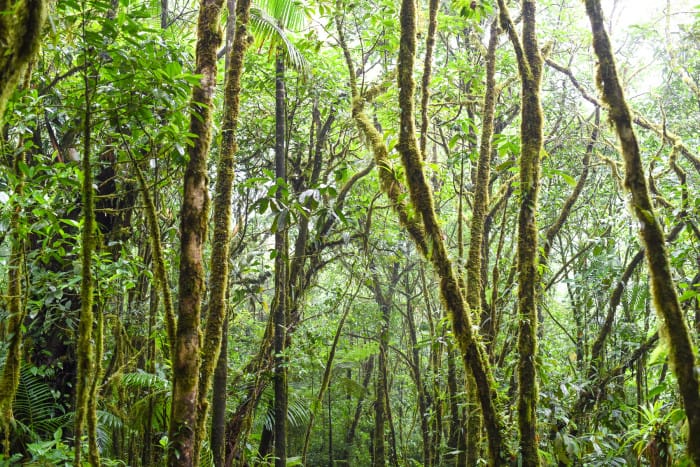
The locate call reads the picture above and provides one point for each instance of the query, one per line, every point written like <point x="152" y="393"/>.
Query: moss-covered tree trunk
<point x="20" y="32"/>
<point x="474" y="288"/>
<point x="21" y="22"/>
<point x="421" y="197"/>
<point x="219" y="272"/>
<point x="193" y="228"/>
<point x="672" y="320"/>
<point x="86" y="349"/>
<point x="11" y="329"/>
<point x="530" y="70"/>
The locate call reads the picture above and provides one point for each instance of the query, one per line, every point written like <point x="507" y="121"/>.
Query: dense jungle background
<point x="343" y="232"/>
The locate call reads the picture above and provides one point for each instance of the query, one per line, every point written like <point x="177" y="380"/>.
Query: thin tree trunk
<point x="427" y="71"/>
<point x="218" y="410"/>
<point x="456" y="441"/>
<point x="530" y="70"/>
<point x="281" y="276"/>
<point x="381" y="405"/>
<point x="325" y="380"/>
<point x="85" y="348"/>
<point x="672" y="320"/>
<point x="350" y="437"/>
<point x="16" y="310"/>
<point x="163" y="14"/>
<point x="193" y="228"/>
<point x="379" y="448"/>
<point x="422" y="396"/>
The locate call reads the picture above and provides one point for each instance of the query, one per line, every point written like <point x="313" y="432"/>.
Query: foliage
<point x="621" y="408"/>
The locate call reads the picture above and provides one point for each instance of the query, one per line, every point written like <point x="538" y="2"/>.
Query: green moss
<point x="20" y="34"/>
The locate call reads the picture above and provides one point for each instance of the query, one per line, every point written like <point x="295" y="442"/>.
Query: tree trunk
<point x="325" y="380"/>
<point x="219" y="271"/>
<point x="350" y="436"/>
<point x="193" y="228"/>
<point x="422" y="395"/>
<point x="672" y="320"/>
<point x="473" y="353"/>
<point x="12" y="328"/>
<point x="281" y="276"/>
<point x="218" y="410"/>
<point x="381" y="404"/>
<point x="85" y="348"/>
<point x="475" y="285"/>
<point x="530" y="70"/>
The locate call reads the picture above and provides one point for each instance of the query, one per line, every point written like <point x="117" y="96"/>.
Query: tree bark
<point x="193" y="228"/>
<point x="281" y="276"/>
<point x="86" y="348"/>
<point x="530" y="70"/>
<point x="474" y="286"/>
<point x="12" y="328"/>
<point x="219" y="271"/>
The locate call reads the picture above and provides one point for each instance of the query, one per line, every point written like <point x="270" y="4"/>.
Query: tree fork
<point x="421" y="197"/>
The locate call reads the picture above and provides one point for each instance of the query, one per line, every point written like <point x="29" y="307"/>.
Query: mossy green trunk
<point x="11" y="329"/>
<point x="86" y="349"/>
<point x="219" y="272"/>
<point x="476" y="239"/>
<point x="530" y="70"/>
<point x="672" y="320"/>
<point x="472" y="351"/>
<point x="528" y="280"/>
<point x="20" y="30"/>
<point x="21" y="22"/>
<point x="193" y="228"/>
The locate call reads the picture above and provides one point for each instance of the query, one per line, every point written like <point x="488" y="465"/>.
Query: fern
<point x="297" y="410"/>
<point x="34" y="407"/>
<point x="157" y="399"/>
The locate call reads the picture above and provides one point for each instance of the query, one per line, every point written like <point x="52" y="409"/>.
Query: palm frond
<point x="297" y="410"/>
<point x="289" y="14"/>
<point x="267" y="29"/>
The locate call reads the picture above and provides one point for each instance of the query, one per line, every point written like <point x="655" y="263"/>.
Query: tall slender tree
<point x="666" y="303"/>
<point x="193" y="227"/>
<point x="223" y="196"/>
<point x="531" y="121"/>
